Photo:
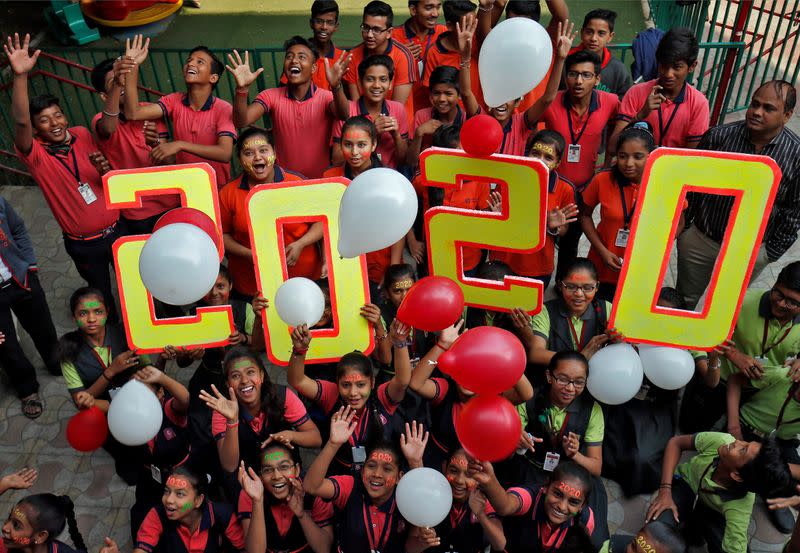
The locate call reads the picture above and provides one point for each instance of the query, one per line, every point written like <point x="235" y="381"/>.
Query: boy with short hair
<point x="302" y="114"/>
<point x="202" y="123"/>
<point x="59" y="160"/>
<point x="375" y="75"/>
<point x="376" y="30"/>
<point x="596" y="33"/>
<point x="324" y="23"/>
<point x="126" y="145"/>
<point x="677" y="112"/>
<point x="715" y="490"/>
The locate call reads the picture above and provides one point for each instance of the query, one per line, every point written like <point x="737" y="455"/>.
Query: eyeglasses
<point x="585" y="75"/>
<point x="585" y="288"/>
<point x="563" y="381"/>
<point x="324" y="22"/>
<point x="779" y="296"/>
<point x="283" y="468"/>
<point x="366" y="29"/>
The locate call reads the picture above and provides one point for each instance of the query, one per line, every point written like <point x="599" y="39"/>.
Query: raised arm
<point x="179" y="393"/>
<point x="136" y="51"/>
<point x="489" y="13"/>
<point x="563" y="43"/>
<point x="296" y="371"/>
<point x="228" y="445"/>
<point x="465" y="32"/>
<point x="398" y="335"/>
<point x="244" y="114"/>
<point x="256" y="529"/>
<point x="21" y="63"/>
<point x="342" y="427"/>
<point x="220" y="152"/>
<point x="504" y="503"/>
<point x="559" y="14"/>
<point x="334" y="73"/>
<point x="421" y="376"/>
<point x="109" y="119"/>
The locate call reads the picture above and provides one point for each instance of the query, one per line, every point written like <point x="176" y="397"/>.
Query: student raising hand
<point x="250" y="482"/>
<point x="228" y="408"/>
<point x="342" y="426"/>
<point x="240" y="69"/>
<point x="336" y="70"/>
<point x="137" y="49"/>
<point x="413" y="443"/>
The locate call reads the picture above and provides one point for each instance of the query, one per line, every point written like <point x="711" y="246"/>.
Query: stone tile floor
<point x="102" y="499"/>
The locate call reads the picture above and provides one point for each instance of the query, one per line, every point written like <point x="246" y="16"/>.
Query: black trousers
<point x="93" y="259"/>
<point x="30" y="307"/>
<point x="141" y="226"/>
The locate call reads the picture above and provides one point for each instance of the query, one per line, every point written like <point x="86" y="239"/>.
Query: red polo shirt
<point x="150" y="531"/>
<point x="126" y="149"/>
<point x="585" y="130"/>
<point x="233" y="216"/>
<point x="301" y="128"/>
<point x="57" y="177"/>
<point x="515" y="135"/>
<point x="541" y="263"/>
<point x="321" y="512"/>
<point x="387" y="149"/>
<point x="404" y="35"/>
<point x="204" y="127"/>
<point x="677" y="121"/>
<point x="319" y="77"/>
<point x="294" y="414"/>
<point x="440" y="55"/>
<point x="425" y="115"/>
<point x="405" y="69"/>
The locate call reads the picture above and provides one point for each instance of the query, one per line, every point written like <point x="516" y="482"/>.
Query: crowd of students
<point x="225" y="470"/>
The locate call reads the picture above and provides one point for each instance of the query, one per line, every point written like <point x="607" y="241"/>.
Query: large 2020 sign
<point x="669" y="176"/>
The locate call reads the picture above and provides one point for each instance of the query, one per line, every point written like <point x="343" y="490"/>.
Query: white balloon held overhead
<point x="377" y="209"/>
<point x="424" y="497"/>
<point x="615" y="374"/>
<point x="179" y="264"/>
<point x="667" y="368"/>
<point x="299" y="301"/>
<point x="514" y="58"/>
<point x="135" y="414"/>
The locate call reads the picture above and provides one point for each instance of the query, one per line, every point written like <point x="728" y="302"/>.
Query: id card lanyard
<point x="574" y="148"/>
<point x="662" y="130"/>
<point x="375" y="546"/>
<point x="764" y="349"/>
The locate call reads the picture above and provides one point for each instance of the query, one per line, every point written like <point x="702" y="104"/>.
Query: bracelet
<point x="337" y="88"/>
<point x="665" y="486"/>
<point x="552" y="232"/>
<point x="381" y="338"/>
<point x="229" y="425"/>
<point x="490" y="8"/>
<point x="439" y="345"/>
<point x="110" y="114"/>
<point x="464" y="65"/>
<point x="400" y="345"/>
<point x="715" y="367"/>
<point x="296" y="351"/>
<point x="242" y="92"/>
<point x="103" y="374"/>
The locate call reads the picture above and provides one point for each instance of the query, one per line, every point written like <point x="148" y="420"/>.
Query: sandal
<point x="32" y="406"/>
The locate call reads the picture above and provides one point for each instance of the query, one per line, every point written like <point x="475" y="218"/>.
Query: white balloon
<point x="514" y="58"/>
<point x="667" y="368"/>
<point x="615" y="374"/>
<point x="299" y="301"/>
<point x="377" y="209"/>
<point x="179" y="264"/>
<point x="424" y="497"/>
<point x="135" y="414"/>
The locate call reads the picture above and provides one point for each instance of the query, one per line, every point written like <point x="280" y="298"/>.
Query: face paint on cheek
<point x="187" y="507"/>
<point x="391" y="481"/>
<point x="471" y="484"/>
<point x="22" y="541"/>
<point x="271" y="160"/>
<point x="450" y="478"/>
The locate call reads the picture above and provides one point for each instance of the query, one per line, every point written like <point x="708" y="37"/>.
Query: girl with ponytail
<point x="36" y="521"/>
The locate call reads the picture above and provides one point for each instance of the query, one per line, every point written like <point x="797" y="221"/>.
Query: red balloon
<point x="194" y="217"/>
<point x="88" y="429"/>
<point x="489" y="427"/>
<point x="485" y="360"/>
<point x="481" y="135"/>
<point x="432" y="304"/>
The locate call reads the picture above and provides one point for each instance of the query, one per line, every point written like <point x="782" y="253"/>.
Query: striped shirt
<point x="710" y="212"/>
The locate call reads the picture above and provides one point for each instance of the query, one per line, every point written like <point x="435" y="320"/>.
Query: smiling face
<point x="456" y="473"/>
<point x="323" y="27"/>
<point x="220" y="293"/>
<point x="631" y="158"/>
<point x="572" y="290"/>
<point x="425" y="13"/>
<point x="90" y="315"/>
<point x="50" y="125"/>
<point x="277" y="471"/>
<point x="299" y="65"/>
<point x="18" y="531"/>
<point x="563" y="500"/>
<point x="246" y="378"/>
<point x="784" y="302"/>
<point x="180" y="498"/>
<point x="444" y="98"/>
<point x="380" y="474"/>
<point x="197" y="69"/>
<point x="354" y="388"/>
<point x="376" y="83"/>
<point x="504" y="112"/>
<point x="257" y="157"/>
<point x="357" y="148"/>
<point x="567" y="382"/>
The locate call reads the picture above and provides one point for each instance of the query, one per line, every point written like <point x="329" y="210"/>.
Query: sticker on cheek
<point x="175" y="482"/>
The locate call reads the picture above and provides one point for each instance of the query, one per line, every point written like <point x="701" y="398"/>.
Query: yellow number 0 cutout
<point x="519" y="228"/>
<point x="197" y="186"/>
<point x="669" y="175"/>
<point x="271" y="206"/>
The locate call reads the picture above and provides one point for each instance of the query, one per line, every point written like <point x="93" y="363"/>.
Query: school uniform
<point x="720" y="514"/>
<point x="362" y="525"/>
<point x="615" y="77"/>
<point x="319" y="77"/>
<point x="213" y="120"/>
<point x="541" y="264"/>
<point x="426" y="114"/>
<point x="404" y="34"/>
<point x="126" y="148"/>
<point x="254" y="430"/>
<point x="387" y="148"/>
<point x="234" y="219"/>
<point x="679" y="120"/>
<point x="516" y="132"/>
<point x="219" y="530"/>
<point x="527" y="530"/>
<point x="374" y="419"/>
<point x="461" y="532"/>
<point x="301" y="128"/>
<point x="445" y="408"/>
<point x="439" y="54"/>
<point x="284" y="532"/>
<point x="564" y="331"/>
<point x="73" y="189"/>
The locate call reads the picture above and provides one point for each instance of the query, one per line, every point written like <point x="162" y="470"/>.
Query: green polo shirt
<point x="595" y="428"/>
<point x="762" y="409"/>
<point x="540" y="323"/>
<point x="749" y="333"/>
<point x="736" y="508"/>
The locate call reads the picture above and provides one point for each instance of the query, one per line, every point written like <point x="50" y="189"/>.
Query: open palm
<point x="18" y="57"/>
<point x="240" y="69"/>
